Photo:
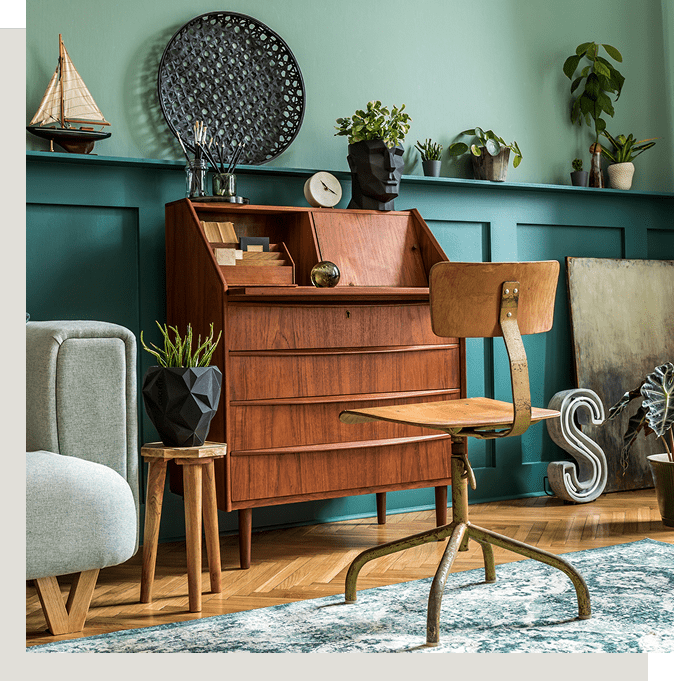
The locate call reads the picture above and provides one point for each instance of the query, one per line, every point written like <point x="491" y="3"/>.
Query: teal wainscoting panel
<point x="81" y="262"/>
<point x="661" y="243"/>
<point x="95" y="249"/>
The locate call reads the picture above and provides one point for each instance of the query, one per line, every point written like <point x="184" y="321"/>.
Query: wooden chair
<point x="476" y="300"/>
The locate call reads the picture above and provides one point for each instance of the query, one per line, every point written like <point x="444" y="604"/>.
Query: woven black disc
<point x="239" y="78"/>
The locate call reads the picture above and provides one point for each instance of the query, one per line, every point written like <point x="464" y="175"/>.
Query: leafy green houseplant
<point x="655" y="416"/>
<point x="490" y="154"/>
<point x="375" y="154"/>
<point x="625" y="150"/>
<point x="601" y="80"/>
<point x="430" y="157"/>
<point x="181" y="394"/>
<point x="376" y="122"/>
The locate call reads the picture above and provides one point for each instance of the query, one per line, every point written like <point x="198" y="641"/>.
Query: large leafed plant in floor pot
<point x="181" y="394"/>
<point x="655" y="415"/>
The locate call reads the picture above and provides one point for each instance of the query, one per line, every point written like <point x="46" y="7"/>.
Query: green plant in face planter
<point x="430" y="151"/>
<point x="375" y="154"/>
<point x="375" y="123"/>
<point x="486" y="167"/>
<point x="601" y="80"/>
<point x="625" y="149"/>
<point x="182" y="393"/>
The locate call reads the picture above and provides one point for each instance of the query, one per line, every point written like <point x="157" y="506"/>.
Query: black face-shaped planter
<point x="181" y="402"/>
<point x="375" y="174"/>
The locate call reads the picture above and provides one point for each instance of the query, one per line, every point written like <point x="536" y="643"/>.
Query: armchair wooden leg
<point x="70" y="617"/>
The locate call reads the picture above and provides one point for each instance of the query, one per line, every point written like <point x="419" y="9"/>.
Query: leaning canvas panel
<point x="622" y="319"/>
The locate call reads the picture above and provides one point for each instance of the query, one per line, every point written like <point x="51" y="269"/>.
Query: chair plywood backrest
<point x="466" y="297"/>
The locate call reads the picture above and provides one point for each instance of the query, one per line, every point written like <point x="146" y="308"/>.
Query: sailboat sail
<point x="78" y="104"/>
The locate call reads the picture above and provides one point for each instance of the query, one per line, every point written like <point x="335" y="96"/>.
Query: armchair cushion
<point x="80" y="515"/>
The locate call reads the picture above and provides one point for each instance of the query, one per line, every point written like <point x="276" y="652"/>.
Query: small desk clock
<point x="322" y="190"/>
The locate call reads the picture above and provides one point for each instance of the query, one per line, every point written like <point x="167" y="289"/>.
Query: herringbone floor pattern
<point x="309" y="562"/>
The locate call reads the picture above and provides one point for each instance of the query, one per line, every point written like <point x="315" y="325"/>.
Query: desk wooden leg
<point x="381" y="508"/>
<point x="193" y="510"/>
<point x="441" y="505"/>
<point x="245" y="536"/>
<point x="155" y="496"/>
<point x="211" y="526"/>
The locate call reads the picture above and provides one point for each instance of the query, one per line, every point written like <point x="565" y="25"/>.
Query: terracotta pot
<point x="662" y="470"/>
<point x="488" y="167"/>
<point x="620" y="175"/>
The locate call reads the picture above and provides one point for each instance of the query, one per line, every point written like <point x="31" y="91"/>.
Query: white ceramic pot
<point x="620" y="175"/>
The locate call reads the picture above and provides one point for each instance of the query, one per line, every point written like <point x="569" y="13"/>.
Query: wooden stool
<point x="194" y="461"/>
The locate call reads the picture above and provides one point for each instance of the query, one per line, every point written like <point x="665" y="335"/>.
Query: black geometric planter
<point x="181" y="402"/>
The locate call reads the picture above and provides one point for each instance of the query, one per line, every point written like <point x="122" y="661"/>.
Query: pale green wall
<point x="454" y="63"/>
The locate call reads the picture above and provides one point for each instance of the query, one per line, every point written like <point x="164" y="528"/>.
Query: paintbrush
<point x="237" y="155"/>
<point x="183" y="147"/>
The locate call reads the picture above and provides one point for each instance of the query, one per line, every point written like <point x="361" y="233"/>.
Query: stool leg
<point x="211" y="526"/>
<point x="155" y="495"/>
<point x="193" y="488"/>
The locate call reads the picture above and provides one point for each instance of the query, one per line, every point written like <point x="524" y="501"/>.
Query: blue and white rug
<point x="531" y="608"/>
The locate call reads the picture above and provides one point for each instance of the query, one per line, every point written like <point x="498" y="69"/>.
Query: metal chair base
<point x="459" y="531"/>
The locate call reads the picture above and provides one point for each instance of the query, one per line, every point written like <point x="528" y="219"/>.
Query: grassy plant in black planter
<point x="655" y="416"/>
<point x="490" y="154"/>
<point x="181" y="394"/>
<point x="430" y="157"/>
<point x="375" y="154"/>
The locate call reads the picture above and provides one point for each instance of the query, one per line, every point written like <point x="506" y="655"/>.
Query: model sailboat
<point x="68" y="113"/>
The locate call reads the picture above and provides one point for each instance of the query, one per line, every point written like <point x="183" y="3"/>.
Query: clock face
<point x="323" y="190"/>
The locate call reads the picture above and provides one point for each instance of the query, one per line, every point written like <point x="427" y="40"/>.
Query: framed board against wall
<point x="622" y="323"/>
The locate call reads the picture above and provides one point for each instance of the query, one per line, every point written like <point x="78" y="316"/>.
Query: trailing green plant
<point x="601" y="80"/>
<point x="577" y="164"/>
<point x="178" y="352"/>
<point x="625" y="149"/>
<point x="376" y="122"/>
<point x="430" y="151"/>
<point x="655" y="414"/>
<point x="487" y="140"/>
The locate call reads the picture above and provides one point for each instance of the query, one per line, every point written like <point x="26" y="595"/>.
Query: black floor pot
<point x="181" y="402"/>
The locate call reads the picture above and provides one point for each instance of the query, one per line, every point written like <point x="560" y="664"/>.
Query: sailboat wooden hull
<point x="71" y="139"/>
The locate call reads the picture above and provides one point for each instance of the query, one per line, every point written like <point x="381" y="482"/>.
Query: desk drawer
<point x="287" y="423"/>
<point x="340" y="372"/>
<point x="339" y="471"/>
<point x="283" y="327"/>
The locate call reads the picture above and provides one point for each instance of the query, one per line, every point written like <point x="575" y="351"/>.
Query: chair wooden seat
<point x="476" y="300"/>
<point x="448" y="415"/>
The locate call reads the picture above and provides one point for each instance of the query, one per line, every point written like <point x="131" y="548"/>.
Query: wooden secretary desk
<point x="294" y="356"/>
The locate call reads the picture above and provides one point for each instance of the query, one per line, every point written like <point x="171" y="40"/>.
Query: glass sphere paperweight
<point x="325" y="274"/>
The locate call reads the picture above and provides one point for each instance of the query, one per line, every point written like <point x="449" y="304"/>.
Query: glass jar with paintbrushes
<point x="224" y="182"/>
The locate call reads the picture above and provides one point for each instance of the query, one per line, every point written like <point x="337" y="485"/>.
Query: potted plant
<point x="181" y="394"/>
<point x="490" y="155"/>
<point x="602" y="79"/>
<point x="430" y="157"/>
<point x="655" y="415"/>
<point x="578" y="176"/>
<point x="375" y="154"/>
<point x="625" y="150"/>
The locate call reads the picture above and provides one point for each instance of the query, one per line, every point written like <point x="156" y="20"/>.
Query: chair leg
<point x="70" y="617"/>
<point x="366" y="556"/>
<point x="582" y="592"/>
<point x="488" y="555"/>
<point x="438" y="585"/>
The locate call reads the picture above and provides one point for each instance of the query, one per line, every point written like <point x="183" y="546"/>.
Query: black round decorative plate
<point x="239" y="78"/>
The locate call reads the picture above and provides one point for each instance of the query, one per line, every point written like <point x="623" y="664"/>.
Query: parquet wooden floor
<point x="309" y="562"/>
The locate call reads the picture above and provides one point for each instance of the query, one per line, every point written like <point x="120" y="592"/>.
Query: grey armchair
<point x="82" y="507"/>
